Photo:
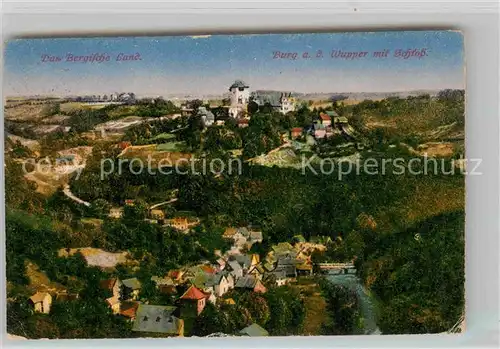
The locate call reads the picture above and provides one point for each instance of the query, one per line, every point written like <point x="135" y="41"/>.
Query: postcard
<point x="235" y="185"/>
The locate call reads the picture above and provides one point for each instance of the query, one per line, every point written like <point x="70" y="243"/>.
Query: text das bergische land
<point x="91" y="58"/>
<point x="415" y="53"/>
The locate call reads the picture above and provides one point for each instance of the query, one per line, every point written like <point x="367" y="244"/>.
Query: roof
<point x="108" y="284"/>
<point x="341" y="119"/>
<point x="297" y="129"/>
<point x="129" y="309"/>
<point x="256" y="235"/>
<point x="132" y="283"/>
<point x="325" y="117"/>
<point x="39" y="297"/>
<point x="304" y="267"/>
<point x="156" y="318"/>
<point x="279" y="274"/>
<point x="229" y="232"/>
<point x="112" y="301"/>
<point x="64" y="295"/>
<point x="238" y="84"/>
<point x="235" y="265"/>
<point x="208" y="269"/>
<point x="244" y="231"/>
<point x="254" y="330"/>
<point x="247" y="281"/>
<point x="319" y="126"/>
<point x="228" y="301"/>
<point x="162" y="281"/>
<point x="174" y="274"/>
<point x="193" y="293"/>
<point x="268" y="266"/>
<point x="243" y="260"/>
<point x="243" y="121"/>
<point x="283" y="247"/>
<point x="214" y="279"/>
<point x="221" y="261"/>
<point x="202" y="111"/>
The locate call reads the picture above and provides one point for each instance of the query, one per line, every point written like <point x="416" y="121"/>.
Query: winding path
<point x="69" y="194"/>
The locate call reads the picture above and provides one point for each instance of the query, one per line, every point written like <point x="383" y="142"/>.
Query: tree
<point x="100" y="208"/>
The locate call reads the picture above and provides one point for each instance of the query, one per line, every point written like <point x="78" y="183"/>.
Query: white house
<point x="41" y="302"/>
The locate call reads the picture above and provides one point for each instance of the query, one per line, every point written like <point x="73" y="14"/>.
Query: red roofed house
<point x="243" y="123"/>
<point x="193" y="301"/>
<point x="325" y="119"/>
<point x="113" y="287"/>
<point x="129" y="310"/>
<point x="296" y="132"/>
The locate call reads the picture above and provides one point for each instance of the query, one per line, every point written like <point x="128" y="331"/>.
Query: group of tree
<point x="343" y="310"/>
<point x="280" y="311"/>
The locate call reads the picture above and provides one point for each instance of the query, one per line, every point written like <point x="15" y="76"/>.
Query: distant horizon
<point x="180" y="95"/>
<point x="207" y="65"/>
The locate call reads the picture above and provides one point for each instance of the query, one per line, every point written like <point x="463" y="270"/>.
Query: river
<point x="367" y="303"/>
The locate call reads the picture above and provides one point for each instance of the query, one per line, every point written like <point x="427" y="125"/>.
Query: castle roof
<point x="238" y="84"/>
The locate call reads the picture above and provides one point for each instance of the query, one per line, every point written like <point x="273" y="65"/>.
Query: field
<point x="156" y="154"/>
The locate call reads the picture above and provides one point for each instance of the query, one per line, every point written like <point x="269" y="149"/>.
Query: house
<point x="219" y="283"/>
<point x="339" y="121"/>
<point x="165" y="285"/>
<point x="257" y="270"/>
<point x="296" y="132"/>
<point x="176" y="275"/>
<point x="325" y="119"/>
<point x="129" y="202"/>
<point x="193" y="301"/>
<point x="304" y="269"/>
<point x="179" y="223"/>
<point x="238" y="235"/>
<point x="255" y="236"/>
<point x="287" y="263"/>
<point x="254" y="330"/>
<point x="116" y="212"/>
<point x="287" y="102"/>
<point x="113" y="286"/>
<point x="278" y="277"/>
<point x="230" y="279"/>
<point x="228" y="301"/>
<point x="207" y="116"/>
<point x="235" y="269"/>
<point x="220" y="264"/>
<point x="131" y="288"/>
<point x="282" y="102"/>
<point x="158" y="319"/>
<point x="319" y="130"/>
<point x="124" y="145"/>
<point x="243" y="123"/>
<point x="65" y="296"/>
<point x="250" y="282"/>
<point x="41" y="301"/>
<point x="157" y="214"/>
<point x="129" y="310"/>
<point x="114" y="304"/>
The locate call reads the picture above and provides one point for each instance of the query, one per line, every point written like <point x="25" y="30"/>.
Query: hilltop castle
<point x="240" y="96"/>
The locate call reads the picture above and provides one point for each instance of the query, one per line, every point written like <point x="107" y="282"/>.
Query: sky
<point x="207" y="65"/>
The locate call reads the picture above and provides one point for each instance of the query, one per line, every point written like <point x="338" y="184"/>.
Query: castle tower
<point x="240" y="95"/>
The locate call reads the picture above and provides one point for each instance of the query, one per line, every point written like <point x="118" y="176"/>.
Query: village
<point x="191" y="288"/>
